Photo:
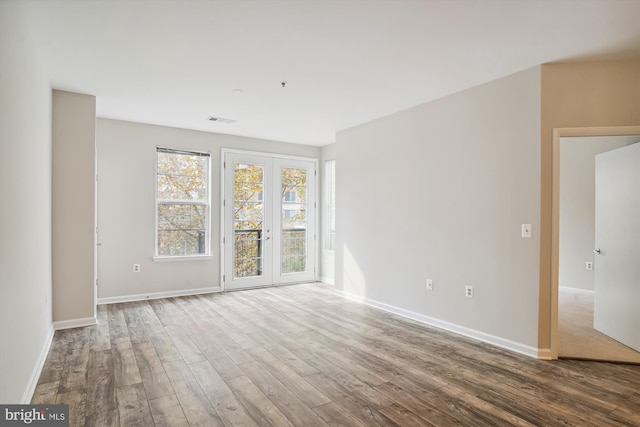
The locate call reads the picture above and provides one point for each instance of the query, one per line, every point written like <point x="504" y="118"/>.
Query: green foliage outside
<point x="182" y="204"/>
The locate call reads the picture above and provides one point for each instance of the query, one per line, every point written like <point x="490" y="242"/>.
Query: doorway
<point x="269" y="220"/>
<point x="578" y="286"/>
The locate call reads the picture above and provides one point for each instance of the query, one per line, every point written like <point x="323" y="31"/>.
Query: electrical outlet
<point x="589" y="265"/>
<point x="136" y="268"/>
<point x="429" y="284"/>
<point x="468" y="291"/>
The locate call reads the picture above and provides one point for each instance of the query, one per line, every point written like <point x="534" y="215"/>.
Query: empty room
<point x="331" y="212"/>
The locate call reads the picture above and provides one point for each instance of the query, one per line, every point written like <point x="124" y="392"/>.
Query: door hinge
<point x="224" y="240"/>
<point x="224" y="277"/>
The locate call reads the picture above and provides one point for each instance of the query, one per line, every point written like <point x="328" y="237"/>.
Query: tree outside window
<point x="183" y="206"/>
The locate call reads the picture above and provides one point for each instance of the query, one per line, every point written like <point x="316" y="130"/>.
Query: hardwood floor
<point x="301" y="356"/>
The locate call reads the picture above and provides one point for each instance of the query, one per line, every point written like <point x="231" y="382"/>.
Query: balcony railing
<point x="249" y="252"/>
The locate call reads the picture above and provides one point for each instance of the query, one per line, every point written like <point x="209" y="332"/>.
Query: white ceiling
<point x="346" y="62"/>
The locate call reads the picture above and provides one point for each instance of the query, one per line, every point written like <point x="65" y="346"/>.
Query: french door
<point x="269" y="220"/>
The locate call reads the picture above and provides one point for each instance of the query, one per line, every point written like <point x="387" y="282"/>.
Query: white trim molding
<point x="328" y="280"/>
<point x="37" y="369"/>
<point x="74" y="323"/>
<point x="451" y="327"/>
<point x="158" y="295"/>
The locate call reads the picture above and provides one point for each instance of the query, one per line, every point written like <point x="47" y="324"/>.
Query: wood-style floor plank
<point x="76" y="399"/>
<point x="334" y="415"/>
<point x="125" y="367"/>
<point x="45" y="393"/>
<point x="220" y="396"/>
<point x="133" y="406"/>
<point x="104" y="419"/>
<point x="288" y="403"/>
<point x="167" y="412"/>
<point x="193" y="401"/>
<point x="303" y="356"/>
<point x="155" y="380"/>
<point x="101" y="383"/>
<point x="261" y="409"/>
<point x="289" y="378"/>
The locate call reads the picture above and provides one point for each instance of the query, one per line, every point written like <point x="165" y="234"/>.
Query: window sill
<point x="182" y="258"/>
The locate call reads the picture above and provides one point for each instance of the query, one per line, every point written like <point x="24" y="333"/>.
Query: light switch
<point x="526" y="230"/>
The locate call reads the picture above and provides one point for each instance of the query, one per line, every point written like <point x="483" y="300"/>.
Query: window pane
<point x="248" y="213"/>
<point x="248" y="253"/>
<point x="182" y="177"/>
<point x="182" y="203"/>
<point x="294" y="220"/>
<point x="181" y="229"/>
<point x="294" y="251"/>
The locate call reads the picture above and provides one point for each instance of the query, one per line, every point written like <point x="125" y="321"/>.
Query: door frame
<point x="555" y="206"/>
<point x="315" y="201"/>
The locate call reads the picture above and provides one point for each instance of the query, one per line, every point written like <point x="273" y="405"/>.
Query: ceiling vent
<point x="221" y="120"/>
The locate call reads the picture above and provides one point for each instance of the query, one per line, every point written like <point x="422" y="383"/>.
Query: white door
<point x="617" y="265"/>
<point x="269" y="220"/>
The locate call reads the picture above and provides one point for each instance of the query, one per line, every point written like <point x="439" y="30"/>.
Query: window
<point x="182" y="203"/>
<point x="330" y="194"/>
<point x="289" y="197"/>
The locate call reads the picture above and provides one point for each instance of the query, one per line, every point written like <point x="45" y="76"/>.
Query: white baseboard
<point x="157" y="295"/>
<point x="37" y="370"/>
<point x="327" y="280"/>
<point x="451" y="327"/>
<point x="74" y="323"/>
<point x="576" y="290"/>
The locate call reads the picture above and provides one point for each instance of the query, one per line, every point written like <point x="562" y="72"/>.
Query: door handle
<point x="266" y="238"/>
<point x="596" y="251"/>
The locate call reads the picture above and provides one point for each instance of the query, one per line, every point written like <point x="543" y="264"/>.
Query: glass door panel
<point x="294" y="234"/>
<point x="248" y="219"/>
<point x="293" y="225"/>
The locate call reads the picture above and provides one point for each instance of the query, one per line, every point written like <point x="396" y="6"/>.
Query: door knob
<point x="596" y="251"/>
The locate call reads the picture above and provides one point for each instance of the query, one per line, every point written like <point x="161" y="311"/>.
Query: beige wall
<point x="440" y="191"/>
<point x="126" y="206"/>
<point x="73" y="216"/>
<point x="588" y="94"/>
<point x="25" y="208"/>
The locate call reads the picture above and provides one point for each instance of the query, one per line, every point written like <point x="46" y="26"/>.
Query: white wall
<point x="577" y="205"/>
<point x="73" y="209"/>
<point x="25" y="208"/>
<point x="327" y="258"/>
<point x="126" y="206"/>
<point x="440" y="191"/>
